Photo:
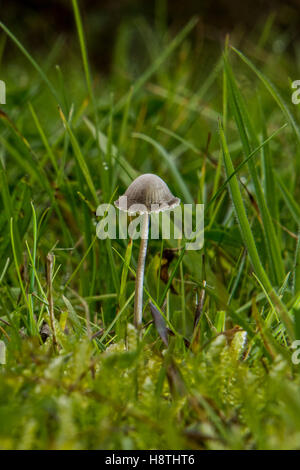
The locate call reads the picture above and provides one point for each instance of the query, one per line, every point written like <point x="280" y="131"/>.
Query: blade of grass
<point x="124" y="274"/>
<point x="248" y="237"/>
<point x="129" y="173"/>
<point x="103" y="173"/>
<point x="240" y="166"/>
<point x="117" y="317"/>
<point x="273" y="91"/>
<point x="244" y="124"/>
<point x="151" y="298"/>
<point x="292" y="205"/>
<point x="32" y="275"/>
<point x="30" y="319"/>
<point x="79" y="157"/>
<point x="31" y="60"/>
<point x="154" y="66"/>
<point x="8" y="206"/>
<point x="269" y="183"/>
<point x="43" y="137"/>
<point x="296" y="284"/>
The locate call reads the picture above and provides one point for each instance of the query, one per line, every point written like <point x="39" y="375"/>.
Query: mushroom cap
<point x="147" y="193"/>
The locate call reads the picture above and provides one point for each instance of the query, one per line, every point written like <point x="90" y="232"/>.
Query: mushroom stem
<point x="139" y="280"/>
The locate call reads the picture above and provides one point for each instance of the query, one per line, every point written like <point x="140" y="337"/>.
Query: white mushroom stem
<point x="139" y="280"/>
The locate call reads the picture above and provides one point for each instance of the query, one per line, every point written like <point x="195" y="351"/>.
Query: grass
<point x="214" y="367"/>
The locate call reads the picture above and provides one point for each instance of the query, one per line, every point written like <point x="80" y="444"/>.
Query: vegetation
<point x="213" y="369"/>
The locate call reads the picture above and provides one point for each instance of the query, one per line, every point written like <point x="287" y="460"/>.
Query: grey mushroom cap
<point x="147" y="193"/>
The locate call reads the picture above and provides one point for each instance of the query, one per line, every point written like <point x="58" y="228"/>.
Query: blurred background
<point x="125" y="39"/>
<point x="38" y="24"/>
<point x="160" y="89"/>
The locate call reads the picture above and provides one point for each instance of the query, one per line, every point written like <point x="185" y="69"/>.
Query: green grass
<point x="214" y="368"/>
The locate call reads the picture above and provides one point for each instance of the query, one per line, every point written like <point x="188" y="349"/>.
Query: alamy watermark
<point x="183" y="222"/>
<point x="296" y="94"/>
<point x="2" y="92"/>
<point x="296" y="354"/>
<point x="2" y="353"/>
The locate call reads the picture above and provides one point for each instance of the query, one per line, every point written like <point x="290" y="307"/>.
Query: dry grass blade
<point x="49" y="269"/>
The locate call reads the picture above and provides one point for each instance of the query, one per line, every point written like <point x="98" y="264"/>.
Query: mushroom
<point x="146" y="194"/>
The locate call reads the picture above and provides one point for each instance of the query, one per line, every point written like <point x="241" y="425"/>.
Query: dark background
<point x="37" y="22"/>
